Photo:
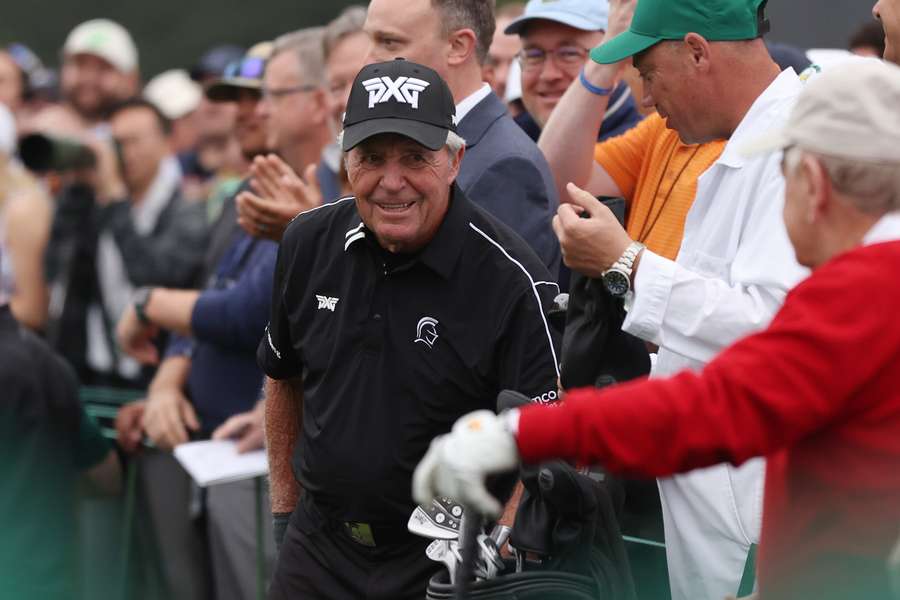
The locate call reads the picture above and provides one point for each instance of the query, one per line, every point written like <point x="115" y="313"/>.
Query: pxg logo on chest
<point x="326" y="302"/>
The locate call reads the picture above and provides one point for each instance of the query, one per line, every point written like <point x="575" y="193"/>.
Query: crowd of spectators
<point x="150" y="244"/>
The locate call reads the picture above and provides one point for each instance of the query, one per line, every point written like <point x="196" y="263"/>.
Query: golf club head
<point x="500" y="534"/>
<point x="437" y="550"/>
<point x="452" y="558"/>
<point x="489" y="560"/>
<point x="439" y="521"/>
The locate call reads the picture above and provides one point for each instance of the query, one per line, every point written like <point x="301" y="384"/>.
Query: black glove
<point x="279" y="526"/>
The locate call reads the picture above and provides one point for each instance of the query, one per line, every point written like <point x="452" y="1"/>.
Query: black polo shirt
<point x="392" y="349"/>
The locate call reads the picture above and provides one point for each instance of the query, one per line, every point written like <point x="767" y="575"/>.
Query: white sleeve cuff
<point x="652" y="287"/>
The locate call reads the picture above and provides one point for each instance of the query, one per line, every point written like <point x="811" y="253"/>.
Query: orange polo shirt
<point x="657" y="175"/>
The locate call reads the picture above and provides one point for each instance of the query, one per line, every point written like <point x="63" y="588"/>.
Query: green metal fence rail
<point x="102" y="404"/>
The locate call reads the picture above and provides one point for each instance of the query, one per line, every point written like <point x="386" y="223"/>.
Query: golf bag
<point x="568" y="520"/>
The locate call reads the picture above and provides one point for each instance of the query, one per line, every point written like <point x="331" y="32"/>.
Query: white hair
<point x="872" y="187"/>
<point x="454" y="143"/>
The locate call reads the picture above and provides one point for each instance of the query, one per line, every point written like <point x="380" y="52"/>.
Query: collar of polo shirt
<point x="441" y="253"/>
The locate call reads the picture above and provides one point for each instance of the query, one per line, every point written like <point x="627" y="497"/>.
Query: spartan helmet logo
<point x="404" y="90"/>
<point x="426" y="331"/>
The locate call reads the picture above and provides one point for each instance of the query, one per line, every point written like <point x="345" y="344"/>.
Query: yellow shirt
<point x="657" y="175"/>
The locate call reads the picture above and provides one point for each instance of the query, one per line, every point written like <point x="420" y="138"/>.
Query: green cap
<point x="658" y="20"/>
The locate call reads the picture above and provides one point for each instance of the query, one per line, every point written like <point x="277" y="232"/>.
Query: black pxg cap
<point x="400" y="97"/>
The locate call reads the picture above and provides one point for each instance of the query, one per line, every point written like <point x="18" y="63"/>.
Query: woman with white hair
<point x="25" y="216"/>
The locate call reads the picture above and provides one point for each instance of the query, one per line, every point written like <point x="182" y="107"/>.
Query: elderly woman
<point x="25" y="216"/>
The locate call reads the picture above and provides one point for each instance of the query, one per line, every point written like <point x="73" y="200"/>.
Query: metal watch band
<point x="626" y="261"/>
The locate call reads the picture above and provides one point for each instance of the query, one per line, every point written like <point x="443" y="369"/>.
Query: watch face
<point x="617" y="283"/>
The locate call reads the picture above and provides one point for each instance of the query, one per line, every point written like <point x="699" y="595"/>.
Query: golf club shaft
<point x="471" y="527"/>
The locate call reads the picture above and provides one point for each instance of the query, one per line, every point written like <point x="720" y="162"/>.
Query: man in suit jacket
<point x="502" y="171"/>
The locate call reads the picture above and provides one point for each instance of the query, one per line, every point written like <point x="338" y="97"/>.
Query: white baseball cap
<point x="851" y="113"/>
<point x="174" y="93"/>
<point x="106" y="39"/>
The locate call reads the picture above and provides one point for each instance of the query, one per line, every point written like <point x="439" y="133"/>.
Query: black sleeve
<point x="275" y="355"/>
<point x="529" y="346"/>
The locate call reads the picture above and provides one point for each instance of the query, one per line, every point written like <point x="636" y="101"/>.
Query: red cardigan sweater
<point x="817" y="393"/>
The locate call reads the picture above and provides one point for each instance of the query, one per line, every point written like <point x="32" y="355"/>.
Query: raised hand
<point x="278" y="195"/>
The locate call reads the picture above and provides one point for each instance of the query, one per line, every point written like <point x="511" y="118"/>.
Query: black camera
<point x="41" y="153"/>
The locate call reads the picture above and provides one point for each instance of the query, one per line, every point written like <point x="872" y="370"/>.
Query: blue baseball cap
<point x="587" y="15"/>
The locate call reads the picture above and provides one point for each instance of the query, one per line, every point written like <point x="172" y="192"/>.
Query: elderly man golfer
<point x="395" y="311"/>
<point x="817" y="392"/>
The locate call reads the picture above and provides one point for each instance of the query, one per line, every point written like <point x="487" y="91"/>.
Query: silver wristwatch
<point x="617" y="278"/>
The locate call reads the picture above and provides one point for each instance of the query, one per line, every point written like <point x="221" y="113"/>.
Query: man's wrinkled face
<point x="142" y="143"/>
<point x="402" y="189"/>
<point x="552" y="56"/>
<point x="347" y="58"/>
<point x="410" y="29"/>
<point x="888" y="12"/>
<point x="670" y="87"/>
<point x="93" y="86"/>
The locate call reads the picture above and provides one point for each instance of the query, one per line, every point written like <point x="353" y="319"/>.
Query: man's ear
<point x="455" y="163"/>
<point x="323" y="105"/>
<point x="461" y="44"/>
<point x="816" y="187"/>
<point x="698" y="51"/>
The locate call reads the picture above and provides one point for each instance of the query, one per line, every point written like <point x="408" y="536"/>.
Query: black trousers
<point x="320" y="561"/>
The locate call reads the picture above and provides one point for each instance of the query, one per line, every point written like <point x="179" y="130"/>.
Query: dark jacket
<point x="171" y="256"/>
<point x="228" y="320"/>
<point x="504" y="172"/>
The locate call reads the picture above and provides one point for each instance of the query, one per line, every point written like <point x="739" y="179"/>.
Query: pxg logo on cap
<point x="399" y="97"/>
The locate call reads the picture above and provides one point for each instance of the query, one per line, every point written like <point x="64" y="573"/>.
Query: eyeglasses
<point x="566" y="57"/>
<point x="269" y="93"/>
<point x="249" y="67"/>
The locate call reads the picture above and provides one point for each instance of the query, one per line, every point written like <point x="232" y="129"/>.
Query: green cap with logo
<point x="658" y="20"/>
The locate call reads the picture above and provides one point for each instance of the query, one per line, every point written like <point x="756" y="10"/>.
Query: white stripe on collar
<point x="356" y="236"/>
<point x="354" y="230"/>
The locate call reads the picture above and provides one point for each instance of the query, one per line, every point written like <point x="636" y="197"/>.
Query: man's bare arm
<point x="284" y="414"/>
<point x="567" y="141"/>
<point x="172" y="309"/>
